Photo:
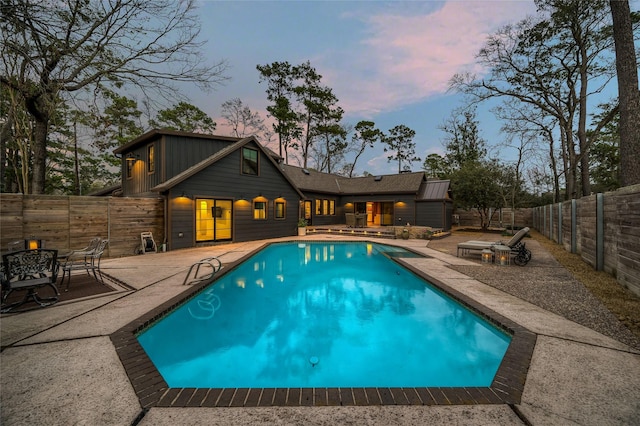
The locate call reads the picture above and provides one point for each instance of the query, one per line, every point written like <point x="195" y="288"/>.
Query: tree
<point x="184" y="117"/>
<point x="605" y="162"/>
<point x="477" y="186"/>
<point x="462" y="141"/>
<point x="304" y="110"/>
<point x="279" y="77"/>
<point x="318" y="114"/>
<point x="551" y="64"/>
<point x="15" y="142"/>
<point x="241" y="119"/>
<point x="400" y="144"/>
<point x="54" y="48"/>
<point x="436" y="166"/>
<point x="114" y="121"/>
<point x="329" y="155"/>
<point x="366" y="135"/>
<point x="629" y="96"/>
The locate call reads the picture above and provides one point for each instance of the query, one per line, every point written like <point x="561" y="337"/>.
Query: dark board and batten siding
<point x="324" y="220"/>
<point x="434" y="213"/>
<point x="182" y="152"/>
<point x="173" y="155"/>
<point x="223" y="180"/>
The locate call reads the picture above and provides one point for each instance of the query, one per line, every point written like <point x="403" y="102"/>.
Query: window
<point x="280" y="209"/>
<point x="325" y="207"/>
<point x="151" y="159"/>
<point x="259" y="209"/>
<point x="249" y="161"/>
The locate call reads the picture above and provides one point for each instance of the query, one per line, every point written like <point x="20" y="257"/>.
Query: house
<point x="385" y="200"/>
<point x="215" y="188"/>
<point x="219" y="189"/>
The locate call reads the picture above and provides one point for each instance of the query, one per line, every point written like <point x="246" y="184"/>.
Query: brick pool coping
<point x="153" y="391"/>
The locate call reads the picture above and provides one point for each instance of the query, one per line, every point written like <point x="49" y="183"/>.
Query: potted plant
<point x="302" y="226"/>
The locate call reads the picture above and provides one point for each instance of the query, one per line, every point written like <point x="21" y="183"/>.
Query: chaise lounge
<point x="518" y="249"/>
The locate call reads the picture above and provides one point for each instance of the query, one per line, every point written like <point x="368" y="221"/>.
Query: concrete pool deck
<point x="58" y="365"/>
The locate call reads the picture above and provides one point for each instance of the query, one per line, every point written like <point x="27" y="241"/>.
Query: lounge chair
<point x="518" y="248"/>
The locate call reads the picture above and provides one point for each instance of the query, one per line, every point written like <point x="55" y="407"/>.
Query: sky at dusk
<point x="386" y="61"/>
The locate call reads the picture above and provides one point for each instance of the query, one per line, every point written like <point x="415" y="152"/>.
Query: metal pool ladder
<point x="212" y="264"/>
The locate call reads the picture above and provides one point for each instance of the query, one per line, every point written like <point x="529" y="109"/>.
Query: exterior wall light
<point x="132" y="158"/>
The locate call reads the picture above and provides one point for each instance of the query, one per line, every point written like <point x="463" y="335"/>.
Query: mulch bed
<point x="82" y="285"/>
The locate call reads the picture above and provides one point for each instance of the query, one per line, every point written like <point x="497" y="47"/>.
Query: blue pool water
<point x="323" y="315"/>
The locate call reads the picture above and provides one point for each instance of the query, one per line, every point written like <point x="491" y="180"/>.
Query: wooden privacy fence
<point x="501" y="218"/>
<point x="603" y="228"/>
<point x="69" y="222"/>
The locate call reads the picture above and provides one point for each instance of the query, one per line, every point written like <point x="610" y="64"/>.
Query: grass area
<point x="624" y="304"/>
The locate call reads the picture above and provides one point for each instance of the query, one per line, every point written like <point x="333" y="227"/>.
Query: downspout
<point x="166" y="221"/>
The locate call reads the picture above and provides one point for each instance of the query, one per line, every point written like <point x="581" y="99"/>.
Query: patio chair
<point x="88" y="261"/>
<point x="29" y="270"/>
<point x="351" y="220"/>
<point x="88" y="250"/>
<point x="521" y="254"/>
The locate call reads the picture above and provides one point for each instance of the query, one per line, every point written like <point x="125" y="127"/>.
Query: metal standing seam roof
<point x="435" y="190"/>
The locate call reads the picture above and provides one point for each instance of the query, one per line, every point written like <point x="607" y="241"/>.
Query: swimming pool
<point x="310" y="315"/>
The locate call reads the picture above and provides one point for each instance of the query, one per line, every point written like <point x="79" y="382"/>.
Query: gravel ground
<point x="543" y="282"/>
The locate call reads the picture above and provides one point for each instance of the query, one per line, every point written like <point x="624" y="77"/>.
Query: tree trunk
<point x="585" y="177"/>
<point x="39" y="155"/>
<point x="628" y="93"/>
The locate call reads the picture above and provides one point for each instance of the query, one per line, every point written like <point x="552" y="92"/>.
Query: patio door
<point x="214" y="219"/>
<point x="387" y="213"/>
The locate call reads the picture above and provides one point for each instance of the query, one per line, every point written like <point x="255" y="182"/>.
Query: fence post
<point x="560" y="223"/>
<point x="574" y="226"/>
<point x="551" y="222"/>
<point x="599" y="231"/>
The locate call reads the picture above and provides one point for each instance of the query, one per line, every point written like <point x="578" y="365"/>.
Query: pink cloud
<point x="410" y="58"/>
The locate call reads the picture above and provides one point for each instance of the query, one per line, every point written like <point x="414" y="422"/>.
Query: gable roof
<point x="155" y="133"/>
<point x="196" y="168"/>
<point x="403" y="183"/>
<point x="314" y="181"/>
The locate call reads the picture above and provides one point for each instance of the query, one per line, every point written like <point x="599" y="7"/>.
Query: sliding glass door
<point x="214" y="219"/>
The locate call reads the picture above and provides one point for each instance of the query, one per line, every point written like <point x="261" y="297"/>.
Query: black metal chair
<point x="29" y="270"/>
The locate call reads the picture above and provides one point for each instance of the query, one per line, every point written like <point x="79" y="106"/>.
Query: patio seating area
<point x="578" y="374"/>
